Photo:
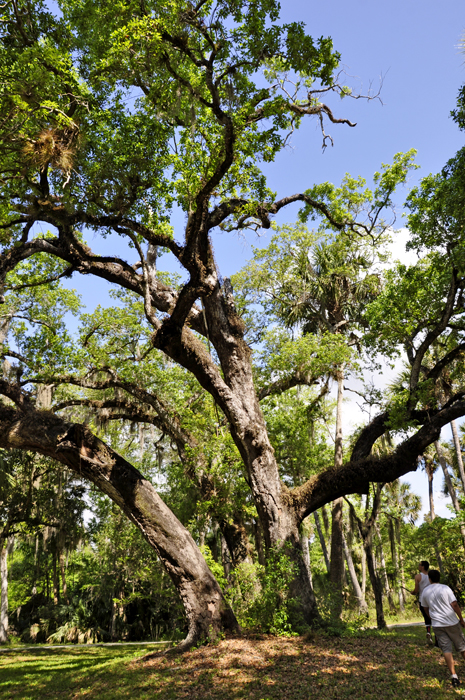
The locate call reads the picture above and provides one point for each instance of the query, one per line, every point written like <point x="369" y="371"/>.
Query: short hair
<point x="425" y="564"/>
<point x="434" y="575"/>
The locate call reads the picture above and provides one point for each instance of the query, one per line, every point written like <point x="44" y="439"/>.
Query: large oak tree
<point x="113" y="113"/>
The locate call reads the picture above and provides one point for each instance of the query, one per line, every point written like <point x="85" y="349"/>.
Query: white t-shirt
<point x="438" y="598"/>
<point x="423" y="583"/>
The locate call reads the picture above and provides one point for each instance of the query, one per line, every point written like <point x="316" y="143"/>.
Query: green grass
<point x="370" y="666"/>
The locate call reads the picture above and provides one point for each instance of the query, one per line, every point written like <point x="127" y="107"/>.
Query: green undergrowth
<point x="369" y="665"/>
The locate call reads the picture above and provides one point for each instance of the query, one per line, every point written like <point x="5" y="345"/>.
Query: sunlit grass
<point x="394" y="664"/>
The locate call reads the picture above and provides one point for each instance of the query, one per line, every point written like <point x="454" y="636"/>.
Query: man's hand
<point x="458" y="611"/>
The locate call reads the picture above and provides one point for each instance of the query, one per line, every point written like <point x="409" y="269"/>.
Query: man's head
<point x="423" y="566"/>
<point x="434" y="575"/>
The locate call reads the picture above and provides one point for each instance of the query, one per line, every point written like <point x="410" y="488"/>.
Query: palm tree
<point x="400" y="504"/>
<point x="334" y="283"/>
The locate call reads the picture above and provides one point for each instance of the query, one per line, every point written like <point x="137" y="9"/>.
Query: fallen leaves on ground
<point x="370" y="666"/>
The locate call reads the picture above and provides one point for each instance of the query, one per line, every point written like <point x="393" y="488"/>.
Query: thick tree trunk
<point x="75" y="446"/>
<point x="3" y="591"/>
<point x="353" y="577"/>
<point x="322" y="540"/>
<point x="458" y="451"/>
<point x="336" y="575"/>
<point x="301" y="588"/>
<point x="280" y="517"/>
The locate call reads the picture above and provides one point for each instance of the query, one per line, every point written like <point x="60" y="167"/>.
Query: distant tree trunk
<point x="458" y="451"/>
<point x="225" y="557"/>
<point x="327" y="528"/>
<point x="432" y="514"/>
<point x="322" y="540"/>
<point x="375" y="583"/>
<point x="364" y="572"/>
<point x="447" y="479"/>
<point x="64" y="586"/>
<point x="115" y="616"/>
<point x="36" y="565"/>
<point x="450" y="486"/>
<point x="366" y="529"/>
<point x="141" y="441"/>
<point x="258" y="537"/>
<point x="395" y="561"/>
<point x="401" y="556"/>
<point x="336" y="574"/>
<point x="431" y="494"/>
<point x="4" y="591"/>
<point x="236" y="538"/>
<point x="384" y="575"/>
<point x="353" y="577"/>
<point x="305" y="550"/>
<point x="56" y="582"/>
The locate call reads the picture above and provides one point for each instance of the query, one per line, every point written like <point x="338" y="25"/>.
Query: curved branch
<point x="77" y="448"/>
<point x="355" y="475"/>
<point x="282" y="385"/>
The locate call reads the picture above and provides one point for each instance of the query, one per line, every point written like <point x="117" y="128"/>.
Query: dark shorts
<point x="450" y="636"/>
<point x="426" y="617"/>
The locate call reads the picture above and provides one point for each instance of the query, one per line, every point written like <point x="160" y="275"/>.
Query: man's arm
<point x="458" y="611"/>
<point x="417" y="580"/>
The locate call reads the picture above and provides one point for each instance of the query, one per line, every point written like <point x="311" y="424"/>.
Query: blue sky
<point x="413" y="47"/>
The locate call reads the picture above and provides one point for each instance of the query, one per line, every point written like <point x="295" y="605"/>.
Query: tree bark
<point x="75" y="446"/>
<point x="64" y="586"/>
<point x="458" y="451"/>
<point x="401" y="558"/>
<point x="305" y="551"/>
<point x="236" y="538"/>
<point x="366" y="529"/>
<point x="450" y="486"/>
<point x="395" y="561"/>
<point x="336" y="575"/>
<point x="225" y="557"/>
<point x="364" y="572"/>
<point x="322" y="539"/>
<point x="375" y="583"/>
<point x="55" y="580"/>
<point x="3" y="591"/>
<point x="432" y="514"/>
<point x="387" y="587"/>
<point x="258" y="537"/>
<point x="353" y="577"/>
<point x="447" y="479"/>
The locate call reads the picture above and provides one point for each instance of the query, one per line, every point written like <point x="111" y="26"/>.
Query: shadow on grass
<point x="394" y="664"/>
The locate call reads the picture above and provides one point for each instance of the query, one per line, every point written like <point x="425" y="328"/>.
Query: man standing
<point x="440" y="603"/>
<point x="421" y="582"/>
